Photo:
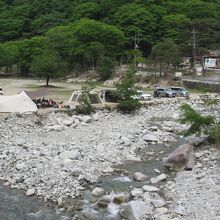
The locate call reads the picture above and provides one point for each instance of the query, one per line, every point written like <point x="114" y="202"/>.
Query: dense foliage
<point x="202" y="124"/>
<point x="82" y="32"/>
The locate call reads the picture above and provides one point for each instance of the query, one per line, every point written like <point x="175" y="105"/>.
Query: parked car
<point x="164" y="92"/>
<point x="142" y="96"/>
<point x="180" y="91"/>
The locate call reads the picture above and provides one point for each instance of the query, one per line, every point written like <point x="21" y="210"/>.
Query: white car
<point x="142" y="96"/>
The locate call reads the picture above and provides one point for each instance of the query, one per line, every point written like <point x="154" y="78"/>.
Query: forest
<point x="61" y="36"/>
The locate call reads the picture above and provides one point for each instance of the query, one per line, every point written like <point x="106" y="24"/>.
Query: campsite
<point x="109" y="110"/>
<point x="59" y="158"/>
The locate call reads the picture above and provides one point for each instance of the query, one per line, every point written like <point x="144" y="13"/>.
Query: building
<point x="212" y="60"/>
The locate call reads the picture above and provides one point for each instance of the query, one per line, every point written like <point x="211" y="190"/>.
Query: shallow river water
<point x="14" y="205"/>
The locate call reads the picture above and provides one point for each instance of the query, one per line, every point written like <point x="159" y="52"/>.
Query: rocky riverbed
<point x="59" y="158"/>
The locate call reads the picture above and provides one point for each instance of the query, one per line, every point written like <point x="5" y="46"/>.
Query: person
<point x="1" y="92"/>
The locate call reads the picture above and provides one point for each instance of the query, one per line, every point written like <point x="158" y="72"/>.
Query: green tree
<point x="49" y="65"/>
<point x="84" y="42"/>
<point x="125" y="92"/>
<point x="136" y="18"/>
<point x="164" y="54"/>
<point x="86" y="10"/>
<point x="27" y="50"/>
<point x="105" y="68"/>
<point x="85" y="106"/>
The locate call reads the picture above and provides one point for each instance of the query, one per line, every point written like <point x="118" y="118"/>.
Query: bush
<point x="199" y="124"/>
<point x="125" y="91"/>
<point x="85" y="106"/>
<point x="129" y="105"/>
<point x="105" y="68"/>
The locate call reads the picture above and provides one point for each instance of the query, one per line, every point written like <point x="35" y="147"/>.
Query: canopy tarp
<point x="37" y="94"/>
<point x="19" y="103"/>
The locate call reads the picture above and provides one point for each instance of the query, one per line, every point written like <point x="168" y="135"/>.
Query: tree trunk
<point x="160" y="69"/>
<point x="166" y="70"/>
<point x="7" y="69"/>
<point x="47" y="80"/>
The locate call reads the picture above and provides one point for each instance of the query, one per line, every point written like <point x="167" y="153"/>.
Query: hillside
<point x="100" y="28"/>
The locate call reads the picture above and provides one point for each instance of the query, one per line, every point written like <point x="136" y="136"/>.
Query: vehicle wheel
<point x="174" y="95"/>
<point x="142" y="98"/>
<point x="167" y="95"/>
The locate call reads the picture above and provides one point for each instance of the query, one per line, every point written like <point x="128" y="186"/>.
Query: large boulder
<point x="181" y="158"/>
<point x="135" y="210"/>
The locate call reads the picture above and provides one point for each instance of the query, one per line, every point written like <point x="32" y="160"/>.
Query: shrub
<point x="129" y="105"/>
<point x="85" y="106"/>
<point x="199" y="124"/>
<point x="105" y="68"/>
<point x="125" y="91"/>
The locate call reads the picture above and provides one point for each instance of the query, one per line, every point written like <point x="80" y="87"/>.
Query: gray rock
<point x="130" y="157"/>
<point x="150" y="138"/>
<point x="140" y="177"/>
<point x="20" y="166"/>
<point x="68" y="122"/>
<point x="136" y="192"/>
<point x="158" y="178"/>
<point x="135" y="210"/>
<point x="98" y="191"/>
<point x="150" y="188"/>
<point x="158" y="203"/>
<point x="181" y="158"/>
<point x="30" y="192"/>
<point x="20" y="141"/>
<point x="86" y="119"/>
<point x="73" y="155"/>
<point x="60" y="201"/>
<point x="161" y="210"/>
<point x="146" y="197"/>
<point x="96" y="116"/>
<point x="57" y="128"/>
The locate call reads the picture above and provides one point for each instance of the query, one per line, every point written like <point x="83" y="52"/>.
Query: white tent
<point x="76" y="97"/>
<point x="19" y="103"/>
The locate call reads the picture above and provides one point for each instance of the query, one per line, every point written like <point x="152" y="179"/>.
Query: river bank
<point x="59" y="157"/>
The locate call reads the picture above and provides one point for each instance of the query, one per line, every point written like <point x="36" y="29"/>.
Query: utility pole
<point x="194" y="52"/>
<point x="136" y="46"/>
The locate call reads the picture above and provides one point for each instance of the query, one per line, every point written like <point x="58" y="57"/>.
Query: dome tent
<point x="19" y="103"/>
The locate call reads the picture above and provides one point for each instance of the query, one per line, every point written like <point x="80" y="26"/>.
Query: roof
<point x="214" y="53"/>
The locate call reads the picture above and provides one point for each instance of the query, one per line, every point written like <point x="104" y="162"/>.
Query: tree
<point x="86" y="10"/>
<point x="202" y="124"/>
<point x="136" y="18"/>
<point x="85" y="106"/>
<point x="49" y="65"/>
<point x="27" y="50"/>
<point x="84" y="42"/>
<point x="125" y="92"/>
<point x="105" y="68"/>
<point x="164" y="54"/>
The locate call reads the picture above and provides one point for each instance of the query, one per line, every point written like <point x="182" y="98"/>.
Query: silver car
<point x="164" y="92"/>
<point x="180" y="91"/>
